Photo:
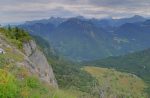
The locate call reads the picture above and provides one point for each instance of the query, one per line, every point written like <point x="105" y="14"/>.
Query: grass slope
<point x="137" y="63"/>
<point x="115" y="83"/>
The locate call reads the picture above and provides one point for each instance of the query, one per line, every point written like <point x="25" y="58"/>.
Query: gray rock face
<point x="38" y="64"/>
<point x="29" y="48"/>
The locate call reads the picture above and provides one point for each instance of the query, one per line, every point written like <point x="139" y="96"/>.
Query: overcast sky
<point x="22" y="10"/>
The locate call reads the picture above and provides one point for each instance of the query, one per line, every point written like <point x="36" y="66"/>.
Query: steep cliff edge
<point x="39" y="63"/>
<point x="31" y="58"/>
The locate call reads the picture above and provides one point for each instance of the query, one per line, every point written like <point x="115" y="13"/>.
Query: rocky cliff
<point x="38" y="64"/>
<point x="30" y="58"/>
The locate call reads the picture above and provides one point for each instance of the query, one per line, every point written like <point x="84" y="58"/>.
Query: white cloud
<point x="21" y="10"/>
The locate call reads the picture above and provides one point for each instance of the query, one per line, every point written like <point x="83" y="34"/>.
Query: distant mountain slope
<point x="39" y="29"/>
<point x="53" y="20"/>
<point x="88" y="39"/>
<point x="117" y="22"/>
<point x="80" y="40"/>
<point x="136" y="18"/>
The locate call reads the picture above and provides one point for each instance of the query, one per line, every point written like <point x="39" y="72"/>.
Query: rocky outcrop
<point x="37" y="63"/>
<point x="32" y="59"/>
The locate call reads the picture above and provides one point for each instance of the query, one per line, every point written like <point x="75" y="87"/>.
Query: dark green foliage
<point x="33" y="82"/>
<point x="16" y="35"/>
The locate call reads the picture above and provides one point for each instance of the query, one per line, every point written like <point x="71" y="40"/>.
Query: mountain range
<point x="82" y="39"/>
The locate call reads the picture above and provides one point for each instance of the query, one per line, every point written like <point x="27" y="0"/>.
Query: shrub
<point x="8" y="87"/>
<point x="33" y="82"/>
<point x="16" y="35"/>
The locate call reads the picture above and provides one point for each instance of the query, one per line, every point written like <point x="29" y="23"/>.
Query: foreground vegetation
<point x="29" y="87"/>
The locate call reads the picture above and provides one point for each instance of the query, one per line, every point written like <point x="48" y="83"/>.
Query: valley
<point x="74" y="48"/>
<point x="117" y="45"/>
<point x="76" y="58"/>
<point x="73" y="79"/>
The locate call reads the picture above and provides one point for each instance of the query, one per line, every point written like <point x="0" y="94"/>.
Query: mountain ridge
<point x="85" y="39"/>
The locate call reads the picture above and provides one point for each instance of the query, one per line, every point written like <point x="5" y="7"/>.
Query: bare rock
<point x="37" y="63"/>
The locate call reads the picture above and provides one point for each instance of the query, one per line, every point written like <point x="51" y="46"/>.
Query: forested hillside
<point x="82" y="39"/>
<point x="136" y="63"/>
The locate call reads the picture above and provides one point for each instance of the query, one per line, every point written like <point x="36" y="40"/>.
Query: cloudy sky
<point x="21" y="10"/>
